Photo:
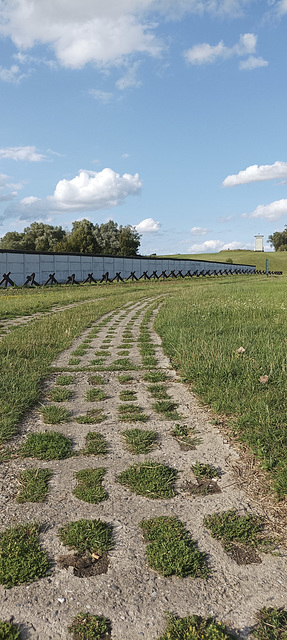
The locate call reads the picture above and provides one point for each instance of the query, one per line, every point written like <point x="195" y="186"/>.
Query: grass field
<point x="203" y="324"/>
<point x="277" y="261"/>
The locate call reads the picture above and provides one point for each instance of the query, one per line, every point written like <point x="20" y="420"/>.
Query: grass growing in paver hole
<point x="74" y="361"/>
<point x="229" y="527"/>
<point x="171" y="550"/>
<point x="64" y="380"/>
<point x="168" y="408"/>
<point x="140" y="441"/>
<point x="95" y="395"/>
<point x="149" y="362"/>
<point x="155" y="376"/>
<point x="34" y="484"/>
<point x="47" y="446"/>
<point x="95" y="416"/>
<point x="150" y="479"/>
<point x="185" y="436"/>
<point x="125" y="378"/>
<point x="78" y="352"/>
<point x="127" y="395"/>
<point x="21" y="557"/>
<point x="91" y="536"/>
<point x="96" y="379"/>
<point x="205" y="470"/>
<point x="272" y="624"/>
<point x="95" y="444"/>
<point x="9" y="631"/>
<point x="158" y="391"/>
<point x="122" y="364"/>
<point x="96" y="362"/>
<point x="55" y="415"/>
<point x="86" y="626"/>
<point x="131" y="413"/>
<point x="195" y="628"/>
<point x="57" y="394"/>
<point x="89" y="487"/>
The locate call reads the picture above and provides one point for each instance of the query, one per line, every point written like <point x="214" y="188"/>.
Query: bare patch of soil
<point x="85" y="565"/>
<point x="243" y="555"/>
<point x="202" y="487"/>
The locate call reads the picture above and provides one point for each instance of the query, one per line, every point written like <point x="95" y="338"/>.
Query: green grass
<point x="202" y="338"/>
<point x="86" y="626"/>
<point x="95" y="416"/>
<point x="87" y="536"/>
<point x="55" y="415"/>
<point x="125" y="378"/>
<point x="21" y="557"/>
<point x="158" y="391"/>
<point x="155" y="376"/>
<point x="131" y="413"/>
<point x="34" y="484"/>
<point x="171" y="550"/>
<point x="149" y="362"/>
<point x="195" y="628"/>
<point x="65" y="380"/>
<point x="95" y="395"/>
<point x="277" y="261"/>
<point x="57" y="394"/>
<point x="205" y="470"/>
<point x="96" y="379"/>
<point x="150" y="479"/>
<point x="47" y="446"/>
<point x="185" y="436"/>
<point x="122" y="364"/>
<point x="168" y="408"/>
<point x="73" y="362"/>
<point x="95" y="444"/>
<point x="140" y="441"/>
<point x="229" y="527"/>
<point x="127" y="395"/>
<point x="97" y="362"/>
<point x="79" y="352"/>
<point x="272" y="624"/>
<point x="89" y="487"/>
<point x="9" y="631"/>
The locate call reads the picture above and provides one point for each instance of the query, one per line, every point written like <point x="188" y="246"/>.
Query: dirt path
<point x="133" y="596"/>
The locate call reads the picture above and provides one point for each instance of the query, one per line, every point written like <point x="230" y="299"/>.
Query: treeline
<point x="278" y="239"/>
<point x="85" y="237"/>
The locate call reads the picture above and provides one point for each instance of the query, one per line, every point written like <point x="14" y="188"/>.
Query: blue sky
<point x="169" y="115"/>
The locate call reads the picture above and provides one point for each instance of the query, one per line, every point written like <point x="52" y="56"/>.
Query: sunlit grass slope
<point x="277" y="261"/>
<point x="202" y="331"/>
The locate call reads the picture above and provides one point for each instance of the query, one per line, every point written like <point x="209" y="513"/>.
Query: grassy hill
<point x="277" y="261"/>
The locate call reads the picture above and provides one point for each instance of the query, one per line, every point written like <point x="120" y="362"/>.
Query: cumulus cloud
<point x="147" y="226"/>
<point x="272" y="211"/>
<point x="205" y="53"/>
<point x="198" y="231"/>
<point x="93" y="31"/>
<point x="22" y="153"/>
<point x="212" y="246"/>
<point x="88" y="191"/>
<point x="255" y="173"/>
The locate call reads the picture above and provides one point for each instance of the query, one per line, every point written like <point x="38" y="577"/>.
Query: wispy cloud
<point x="201" y="54"/>
<point x="255" y="173"/>
<point x="129" y="79"/>
<point x="28" y="153"/>
<point x="199" y="231"/>
<point x="101" y="96"/>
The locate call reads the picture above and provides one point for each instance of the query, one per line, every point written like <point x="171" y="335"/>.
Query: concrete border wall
<point x="22" y="264"/>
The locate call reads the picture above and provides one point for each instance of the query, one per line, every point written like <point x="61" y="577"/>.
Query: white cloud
<point x="22" y="153"/>
<point x="272" y="211"/>
<point x="198" y="231"/>
<point x="282" y="7"/>
<point x="255" y="173"/>
<point x="130" y="78"/>
<point x="252" y="63"/>
<point x="88" y="191"/>
<point x="205" y="53"/>
<point x="224" y="219"/>
<point x="93" y="31"/>
<point x="8" y="190"/>
<point x="147" y="226"/>
<point x="101" y="96"/>
<point x="212" y="246"/>
<point x="12" y="74"/>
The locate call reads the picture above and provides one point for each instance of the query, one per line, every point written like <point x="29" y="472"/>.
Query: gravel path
<point x="133" y="596"/>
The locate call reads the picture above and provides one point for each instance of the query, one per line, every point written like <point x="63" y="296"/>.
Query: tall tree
<point x="37" y="237"/>
<point x="278" y="240"/>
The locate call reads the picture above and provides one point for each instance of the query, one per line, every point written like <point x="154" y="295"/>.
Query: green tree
<point x="82" y="238"/>
<point x="129" y="241"/>
<point x="278" y="240"/>
<point x="37" y="237"/>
